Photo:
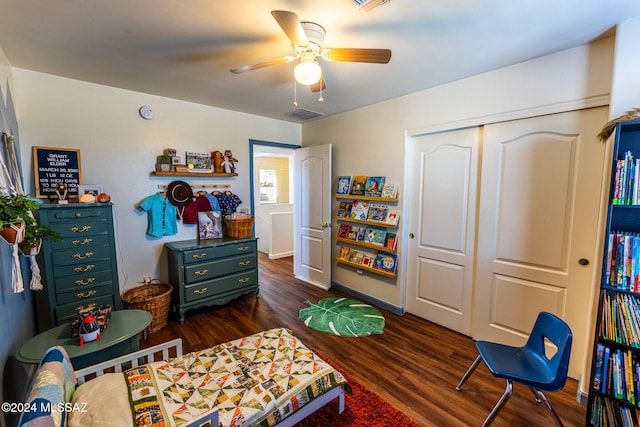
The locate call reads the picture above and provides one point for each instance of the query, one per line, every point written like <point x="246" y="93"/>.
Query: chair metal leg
<point x="543" y="398"/>
<point x="496" y="409"/>
<point x="535" y="394"/>
<point x="467" y="374"/>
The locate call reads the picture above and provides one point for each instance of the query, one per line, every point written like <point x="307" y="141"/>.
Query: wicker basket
<point x="154" y="298"/>
<point x="239" y="228"/>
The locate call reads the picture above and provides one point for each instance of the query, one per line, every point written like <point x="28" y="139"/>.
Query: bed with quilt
<point x="266" y="379"/>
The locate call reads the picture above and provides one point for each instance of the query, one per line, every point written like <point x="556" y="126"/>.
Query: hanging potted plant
<point x="14" y="212"/>
<point x="34" y="235"/>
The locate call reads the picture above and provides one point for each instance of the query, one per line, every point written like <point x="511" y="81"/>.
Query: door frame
<point x="252" y="144"/>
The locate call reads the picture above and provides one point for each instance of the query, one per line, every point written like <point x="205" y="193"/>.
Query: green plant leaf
<point x="343" y="317"/>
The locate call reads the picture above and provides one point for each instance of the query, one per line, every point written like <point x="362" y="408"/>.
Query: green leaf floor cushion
<point x="51" y="388"/>
<point x="343" y="317"/>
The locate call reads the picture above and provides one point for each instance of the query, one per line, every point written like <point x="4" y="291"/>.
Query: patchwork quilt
<point x="255" y="380"/>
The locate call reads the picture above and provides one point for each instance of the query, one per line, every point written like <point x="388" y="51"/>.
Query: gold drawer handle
<point x="83" y="269"/>
<point x="201" y="272"/>
<point x="86" y="255"/>
<point x="245" y="280"/>
<point x="244" y="248"/>
<point x="81" y="242"/>
<point x="89" y="281"/>
<point x="81" y="230"/>
<point x="87" y="295"/>
<point x="78" y="214"/>
<point x="200" y="291"/>
<point x="199" y="256"/>
<point x="244" y="263"/>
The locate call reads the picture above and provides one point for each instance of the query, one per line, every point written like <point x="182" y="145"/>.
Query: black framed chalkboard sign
<point x="55" y="165"/>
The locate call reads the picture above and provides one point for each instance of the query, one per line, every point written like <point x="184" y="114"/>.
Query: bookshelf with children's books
<point x="367" y="218"/>
<point x="614" y="389"/>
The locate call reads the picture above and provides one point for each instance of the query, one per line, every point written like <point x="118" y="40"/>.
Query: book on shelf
<point x="386" y="261"/>
<point x="390" y="191"/>
<point x="356" y="257"/>
<point x="375" y="236"/>
<point x="393" y="215"/>
<point x="343" y="253"/>
<point x="344" y="185"/>
<point x="391" y="241"/>
<point x="374" y="186"/>
<point x="358" y="184"/>
<point x="368" y="258"/>
<point x="344" y="209"/>
<point x="359" y="210"/>
<point x="344" y="230"/>
<point x="377" y="212"/>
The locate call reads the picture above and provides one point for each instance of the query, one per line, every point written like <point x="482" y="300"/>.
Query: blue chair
<point x="528" y="365"/>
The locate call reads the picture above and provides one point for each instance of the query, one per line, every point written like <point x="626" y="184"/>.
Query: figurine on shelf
<point x="229" y="162"/>
<point x="89" y="330"/>
<point x="216" y="159"/>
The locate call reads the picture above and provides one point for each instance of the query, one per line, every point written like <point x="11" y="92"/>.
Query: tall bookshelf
<point x="614" y="390"/>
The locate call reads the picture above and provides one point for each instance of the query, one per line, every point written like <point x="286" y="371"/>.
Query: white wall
<point x="118" y="150"/>
<point x="371" y="140"/>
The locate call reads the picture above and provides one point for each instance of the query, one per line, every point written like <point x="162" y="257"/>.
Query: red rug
<point x="362" y="408"/>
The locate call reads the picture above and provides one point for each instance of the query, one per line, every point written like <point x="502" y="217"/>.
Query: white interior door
<point x="541" y="187"/>
<point x="312" y="223"/>
<point x="442" y="206"/>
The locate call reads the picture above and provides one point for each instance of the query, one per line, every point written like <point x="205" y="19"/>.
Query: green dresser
<point x="211" y="272"/>
<point x="82" y="268"/>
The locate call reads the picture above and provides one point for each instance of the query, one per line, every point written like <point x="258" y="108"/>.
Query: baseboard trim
<point x="367" y="298"/>
<point x="281" y="255"/>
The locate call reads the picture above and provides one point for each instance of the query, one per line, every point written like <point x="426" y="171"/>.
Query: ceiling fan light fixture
<point x="307" y="72"/>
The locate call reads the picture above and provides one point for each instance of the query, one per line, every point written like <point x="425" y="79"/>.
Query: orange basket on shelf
<point x="154" y="298"/>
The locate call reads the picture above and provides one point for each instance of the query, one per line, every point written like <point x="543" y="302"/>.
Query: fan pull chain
<point x="321" y="97"/>
<point x="295" y="93"/>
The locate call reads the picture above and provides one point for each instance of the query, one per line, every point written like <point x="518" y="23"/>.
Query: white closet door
<point x="541" y="186"/>
<point x="442" y="206"/>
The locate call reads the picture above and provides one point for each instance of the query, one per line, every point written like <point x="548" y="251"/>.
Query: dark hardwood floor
<point x="414" y="365"/>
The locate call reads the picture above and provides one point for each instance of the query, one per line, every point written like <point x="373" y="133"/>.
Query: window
<point x="268" y="186"/>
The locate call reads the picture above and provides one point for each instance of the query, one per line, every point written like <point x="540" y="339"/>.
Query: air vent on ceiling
<point x="303" y="114"/>
<point x="368" y="5"/>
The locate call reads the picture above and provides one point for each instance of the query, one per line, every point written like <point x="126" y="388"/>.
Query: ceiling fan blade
<point x="262" y="64"/>
<point x="374" y="56"/>
<point x="319" y="85"/>
<point x="291" y="26"/>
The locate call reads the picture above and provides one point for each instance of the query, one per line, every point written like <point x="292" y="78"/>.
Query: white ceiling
<point x="184" y="49"/>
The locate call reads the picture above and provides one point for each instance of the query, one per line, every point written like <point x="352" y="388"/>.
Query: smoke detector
<point x="368" y="5"/>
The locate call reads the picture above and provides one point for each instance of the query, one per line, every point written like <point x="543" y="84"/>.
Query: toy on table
<point x="89" y="329"/>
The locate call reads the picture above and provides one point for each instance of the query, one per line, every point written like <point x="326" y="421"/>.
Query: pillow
<point x="103" y="401"/>
<point x="52" y="386"/>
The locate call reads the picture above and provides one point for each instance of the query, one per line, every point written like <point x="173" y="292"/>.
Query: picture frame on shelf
<point x="93" y="189"/>
<point x="199" y="162"/>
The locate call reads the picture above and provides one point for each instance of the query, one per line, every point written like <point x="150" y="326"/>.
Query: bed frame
<point x="172" y="349"/>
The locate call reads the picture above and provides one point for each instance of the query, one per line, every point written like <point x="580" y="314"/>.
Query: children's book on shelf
<point x="359" y="210"/>
<point x="386" y="261"/>
<point x="391" y="241"/>
<point x="368" y="258"/>
<point x="356" y="257"/>
<point x="358" y="184"/>
<point x="377" y="212"/>
<point x="359" y="233"/>
<point x="375" y="236"/>
<point x="374" y="186"/>
<point x="344" y="252"/>
<point x="344" y="185"/>
<point x="392" y="217"/>
<point x="390" y="191"/>
<point x="344" y="230"/>
<point x="344" y="209"/>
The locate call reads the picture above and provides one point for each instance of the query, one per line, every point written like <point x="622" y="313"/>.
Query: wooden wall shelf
<point x="195" y="174"/>
<point x="362" y="267"/>
<point x="370" y="198"/>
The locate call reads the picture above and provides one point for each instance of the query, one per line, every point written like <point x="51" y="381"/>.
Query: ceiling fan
<point x="306" y="39"/>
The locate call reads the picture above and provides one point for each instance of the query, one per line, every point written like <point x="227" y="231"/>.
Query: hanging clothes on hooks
<point x="228" y="201"/>
<point x="161" y="215"/>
